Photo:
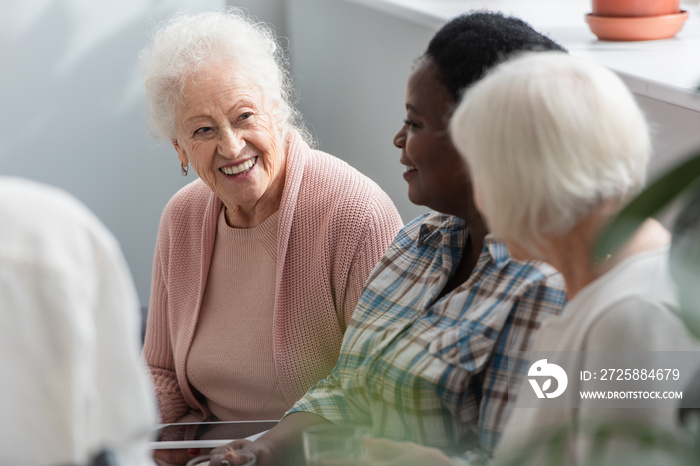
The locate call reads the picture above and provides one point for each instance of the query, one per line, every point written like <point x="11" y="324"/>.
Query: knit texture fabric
<point x="239" y="381"/>
<point x="334" y="226"/>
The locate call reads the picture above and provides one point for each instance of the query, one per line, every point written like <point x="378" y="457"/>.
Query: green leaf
<point x="649" y="202"/>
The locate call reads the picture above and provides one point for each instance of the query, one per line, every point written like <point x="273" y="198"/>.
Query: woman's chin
<point x="414" y="198"/>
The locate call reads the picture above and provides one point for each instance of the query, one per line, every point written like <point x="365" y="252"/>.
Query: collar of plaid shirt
<point x="434" y="371"/>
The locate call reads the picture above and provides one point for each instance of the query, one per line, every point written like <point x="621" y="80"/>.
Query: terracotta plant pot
<point x="636" y="20"/>
<point x="630" y="8"/>
<point x="636" y="28"/>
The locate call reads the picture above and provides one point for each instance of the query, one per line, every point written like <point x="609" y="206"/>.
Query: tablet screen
<point x="207" y="434"/>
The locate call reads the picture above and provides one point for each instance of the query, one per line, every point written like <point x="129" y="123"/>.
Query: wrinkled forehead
<point x="219" y="85"/>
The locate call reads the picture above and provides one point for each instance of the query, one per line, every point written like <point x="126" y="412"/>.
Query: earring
<point x="184" y="169"/>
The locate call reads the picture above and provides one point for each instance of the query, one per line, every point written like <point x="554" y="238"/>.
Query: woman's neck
<point x="475" y="224"/>
<point x="474" y="243"/>
<point x="571" y="253"/>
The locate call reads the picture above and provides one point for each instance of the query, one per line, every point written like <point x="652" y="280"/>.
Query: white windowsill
<point x="665" y="70"/>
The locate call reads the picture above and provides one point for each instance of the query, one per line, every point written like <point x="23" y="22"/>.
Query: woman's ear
<point x="276" y="115"/>
<point x="181" y="154"/>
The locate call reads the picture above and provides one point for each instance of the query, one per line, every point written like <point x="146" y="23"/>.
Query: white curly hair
<point x="187" y="43"/>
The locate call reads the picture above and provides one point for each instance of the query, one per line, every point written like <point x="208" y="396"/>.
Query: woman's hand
<point x="230" y="453"/>
<point x="383" y="452"/>
<point x="280" y="445"/>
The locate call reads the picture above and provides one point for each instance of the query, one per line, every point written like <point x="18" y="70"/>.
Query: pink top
<point x="334" y="226"/>
<point x="231" y="362"/>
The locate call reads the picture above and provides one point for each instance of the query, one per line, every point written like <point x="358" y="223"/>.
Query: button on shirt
<point x="429" y="370"/>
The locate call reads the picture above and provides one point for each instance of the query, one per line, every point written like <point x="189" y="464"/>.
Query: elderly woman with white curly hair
<point x="260" y="262"/>
<point x="556" y="146"/>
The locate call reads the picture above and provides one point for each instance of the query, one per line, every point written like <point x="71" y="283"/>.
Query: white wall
<point x="270" y="11"/>
<point x="351" y="62"/>
<point x="351" y="65"/>
<point x="676" y="133"/>
<point x="72" y="112"/>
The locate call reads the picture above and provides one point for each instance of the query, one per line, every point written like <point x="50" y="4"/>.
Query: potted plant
<point x="634" y="20"/>
<point x="680" y="183"/>
<point x="627" y="8"/>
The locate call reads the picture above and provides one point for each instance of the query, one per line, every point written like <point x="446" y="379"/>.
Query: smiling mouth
<point x="409" y="168"/>
<point x="240" y="169"/>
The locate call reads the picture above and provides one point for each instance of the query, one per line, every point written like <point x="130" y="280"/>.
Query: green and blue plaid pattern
<point x="429" y="370"/>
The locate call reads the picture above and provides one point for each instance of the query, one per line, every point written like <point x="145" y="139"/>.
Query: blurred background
<point x="72" y="109"/>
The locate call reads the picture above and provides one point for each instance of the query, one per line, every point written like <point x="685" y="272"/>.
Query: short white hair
<point x="185" y="44"/>
<point x="549" y="138"/>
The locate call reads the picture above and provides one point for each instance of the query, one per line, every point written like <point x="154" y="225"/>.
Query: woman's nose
<point x="400" y="137"/>
<point x="231" y="144"/>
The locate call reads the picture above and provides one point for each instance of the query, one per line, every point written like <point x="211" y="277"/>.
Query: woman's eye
<point x="245" y="116"/>
<point x="410" y="123"/>
<point x="203" y="130"/>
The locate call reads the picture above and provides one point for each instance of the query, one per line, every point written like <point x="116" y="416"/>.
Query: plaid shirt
<point x="429" y="370"/>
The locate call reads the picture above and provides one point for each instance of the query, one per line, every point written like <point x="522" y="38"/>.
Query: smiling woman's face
<point x="232" y="143"/>
<point x="436" y="175"/>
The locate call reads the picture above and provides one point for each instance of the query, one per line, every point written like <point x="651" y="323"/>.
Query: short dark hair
<point x="468" y="45"/>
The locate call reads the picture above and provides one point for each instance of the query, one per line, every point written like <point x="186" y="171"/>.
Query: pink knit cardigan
<point x="334" y="226"/>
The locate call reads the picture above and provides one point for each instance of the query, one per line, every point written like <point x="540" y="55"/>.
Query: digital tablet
<point x="207" y="434"/>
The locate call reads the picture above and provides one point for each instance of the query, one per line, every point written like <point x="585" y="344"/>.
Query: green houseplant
<point x="680" y="184"/>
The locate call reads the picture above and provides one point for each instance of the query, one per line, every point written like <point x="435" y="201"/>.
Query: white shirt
<point x="72" y="380"/>
<point x="631" y="308"/>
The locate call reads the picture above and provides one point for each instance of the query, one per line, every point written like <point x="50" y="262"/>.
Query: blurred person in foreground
<point x="424" y="357"/>
<point x="260" y="262"/>
<point x="556" y="146"/>
<point x="75" y="389"/>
